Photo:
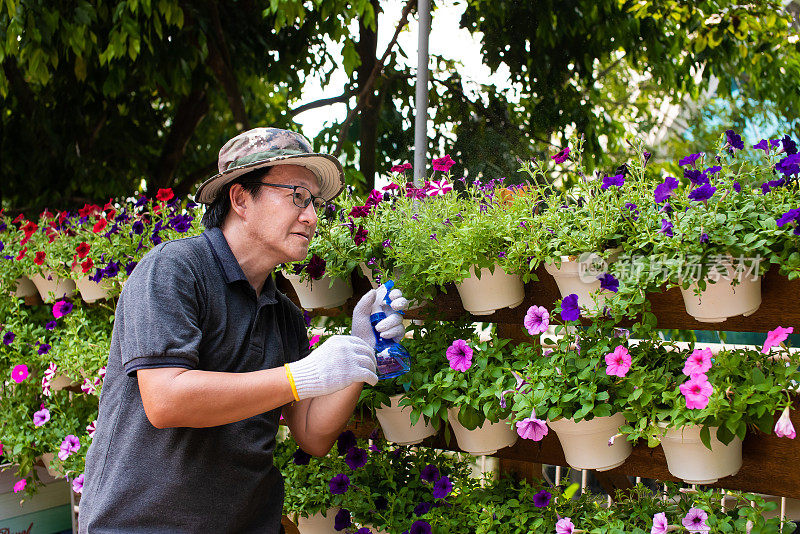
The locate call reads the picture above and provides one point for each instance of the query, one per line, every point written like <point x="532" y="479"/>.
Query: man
<point x="206" y="354"/>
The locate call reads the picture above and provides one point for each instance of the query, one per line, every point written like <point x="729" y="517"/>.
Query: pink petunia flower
<point x="695" y="520"/>
<point x="41" y="417"/>
<point x="400" y="168"/>
<point x="784" y="427"/>
<point x="50" y="372"/>
<point x="90" y="386"/>
<point x="564" y="526"/>
<point x="438" y="188"/>
<point x="91" y="427"/>
<point x="102" y="372"/>
<point x="443" y="164"/>
<point x="776" y="337"/>
<point x="697" y="391"/>
<point x="660" y="524"/>
<point x="46" y="386"/>
<point x="20" y="485"/>
<point x="313" y="341"/>
<point x="698" y="362"/>
<point x="70" y="445"/>
<point x="19" y="373"/>
<point x="532" y="428"/>
<point x="618" y="362"/>
<point x="77" y="484"/>
<point x="61" y="308"/>
<point x="537" y="319"/>
<point x="459" y="354"/>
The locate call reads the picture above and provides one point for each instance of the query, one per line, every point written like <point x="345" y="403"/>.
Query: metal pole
<point x="421" y="119"/>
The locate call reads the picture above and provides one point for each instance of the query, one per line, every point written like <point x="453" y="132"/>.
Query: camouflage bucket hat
<point x="266" y="147"/>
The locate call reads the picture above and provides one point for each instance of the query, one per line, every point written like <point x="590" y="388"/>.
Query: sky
<point x="446" y="39"/>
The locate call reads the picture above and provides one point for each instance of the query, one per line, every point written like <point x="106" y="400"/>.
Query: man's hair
<point x="218" y="210"/>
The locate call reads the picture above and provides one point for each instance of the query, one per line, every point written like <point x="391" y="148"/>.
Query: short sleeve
<point x="158" y="313"/>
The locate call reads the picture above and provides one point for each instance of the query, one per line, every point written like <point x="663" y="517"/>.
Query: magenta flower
<point x="361" y="235"/>
<point x="400" y="168"/>
<point x="660" y="524"/>
<point x="41" y="417"/>
<point x="443" y="164"/>
<point x="784" y="427"/>
<point x="77" y="484"/>
<point x="698" y="362"/>
<point x="70" y="445"/>
<point x="439" y="188"/>
<point x="459" y="354"/>
<point x="19" y="373"/>
<point x="564" y="526"/>
<point x="776" y="337"/>
<point x="91" y="427"/>
<point x="562" y="156"/>
<point x="618" y="362"/>
<point x="61" y="308"/>
<point x="20" y="485"/>
<point x="536" y="320"/>
<point x="695" y="520"/>
<point x="697" y="391"/>
<point x="532" y="428"/>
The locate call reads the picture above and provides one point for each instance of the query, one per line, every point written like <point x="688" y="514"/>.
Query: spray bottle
<point x="393" y="358"/>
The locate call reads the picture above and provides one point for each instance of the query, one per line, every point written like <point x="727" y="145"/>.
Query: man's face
<point x="282" y="229"/>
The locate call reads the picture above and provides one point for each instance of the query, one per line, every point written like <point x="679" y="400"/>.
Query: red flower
<point x="20" y="217"/>
<point x="89" y="210"/>
<point x="29" y="229"/>
<point x="83" y="249"/>
<point x="62" y="216"/>
<point x="22" y="253"/>
<point x="99" y="226"/>
<point x="164" y="195"/>
<point x="87" y="265"/>
<point x="46" y="214"/>
<point x="361" y="235"/>
<point x="39" y="259"/>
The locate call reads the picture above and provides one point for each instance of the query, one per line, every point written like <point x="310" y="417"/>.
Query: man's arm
<point x="317" y="422"/>
<point x="176" y="397"/>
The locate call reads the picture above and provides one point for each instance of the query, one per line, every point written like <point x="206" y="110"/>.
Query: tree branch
<point x="220" y="62"/>
<point x="344" y="97"/>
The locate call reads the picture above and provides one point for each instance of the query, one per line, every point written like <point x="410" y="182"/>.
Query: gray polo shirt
<point x="188" y="304"/>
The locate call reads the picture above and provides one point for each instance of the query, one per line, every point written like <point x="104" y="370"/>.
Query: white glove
<point x="373" y="302"/>
<point x="334" y="365"/>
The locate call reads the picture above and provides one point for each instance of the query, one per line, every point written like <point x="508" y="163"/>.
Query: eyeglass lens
<point x="302" y="198"/>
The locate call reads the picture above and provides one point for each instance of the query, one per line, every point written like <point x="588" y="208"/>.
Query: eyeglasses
<point x="301" y="197"/>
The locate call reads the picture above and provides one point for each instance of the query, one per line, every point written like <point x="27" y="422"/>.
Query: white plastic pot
<point x="690" y="460"/>
<point x="721" y="299"/>
<point x="492" y="292"/>
<point x="52" y="288"/>
<point x="320" y="293"/>
<point x="25" y="288"/>
<point x="578" y="275"/>
<point x="92" y="291"/>
<point x="46" y="459"/>
<point x="395" y="421"/>
<point x="319" y="523"/>
<point x="486" y="439"/>
<point x="585" y="443"/>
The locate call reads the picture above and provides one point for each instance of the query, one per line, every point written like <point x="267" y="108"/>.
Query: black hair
<point x="218" y="210"/>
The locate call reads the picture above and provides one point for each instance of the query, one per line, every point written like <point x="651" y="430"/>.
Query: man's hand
<point x="334" y="365"/>
<point x="374" y="301"/>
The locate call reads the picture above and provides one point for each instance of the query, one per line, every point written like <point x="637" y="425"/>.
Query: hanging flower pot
<point x="368" y="274"/>
<point x="25" y="288"/>
<point x="486" y="439"/>
<point x="320" y="293"/>
<point x="319" y="523"/>
<point x="692" y="462"/>
<point x="491" y="292"/>
<point x="395" y="421"/>
<point x="722" y="299"/>
<point x="46" y="459"/>
<point x="52" y="288"/>
<point x="90" y="290"/>
<point x="580" y="275"/>
<point x="585" y="443"/>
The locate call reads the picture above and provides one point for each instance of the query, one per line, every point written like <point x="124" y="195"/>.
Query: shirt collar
<point x="230" y="267"/>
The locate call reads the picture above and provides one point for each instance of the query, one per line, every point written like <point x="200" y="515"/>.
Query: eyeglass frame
<point x="294" y="188"/>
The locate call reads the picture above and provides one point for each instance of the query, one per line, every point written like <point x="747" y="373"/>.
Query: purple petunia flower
<point x="789" y="165"/>
<point x="41" y="417"/>
<point x="789" y="146"/>
<point x="77" y="484"/>
<point x="532" y="428"/>
<point x="44" y="348"/>
<point x="8" y="338"/>
<point x="666" y="227"/>
<point x="608" y="282"/>
<point x="442" y="488"/>
<point x="137" y="227"/>
<point x="429" y="473"/>
<point x="712" y="170"/>
<point x="459" y="354"/>
<point x="181" y="223"/>
<point x="422" y="508"/>
<point x="355" y="458"/>
<point x="734" y="139"/>
<point x="537" y="319"/>
<point x="664" y="191"/>
<point x="70" y="445"/>
<point x="618" y="180"/>
<point x="633" y="209"/>
<point x="569" y="308"/>
<point x="301" y="457"/>
<point x="695" y="176"/>
<point x="704" y="237"/>
<point x="737" y="186"/>
<point x="789" y="216"/>
<point x="695" y="520"/>
<point x="339" y="484"/>
<point x="61" y="308"/>
<point x="316" y="267"/>
<point x="50" y="325"/>
<point x="129" y="267"/>
<point x="420" y="527"/>
<point x="690" y="159"/>
<point x="345" y="441"/>
<point x="562" y="155"/>
<point x="704" y="192"/>
<point x="542" y="499"/>
<point x="111" y="270"/>
<point x="342" y="520"/>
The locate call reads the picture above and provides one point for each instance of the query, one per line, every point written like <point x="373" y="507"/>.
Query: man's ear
<point x="240" y="199"/>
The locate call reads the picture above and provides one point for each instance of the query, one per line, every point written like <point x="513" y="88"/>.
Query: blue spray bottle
<point x="393" y="358"/>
